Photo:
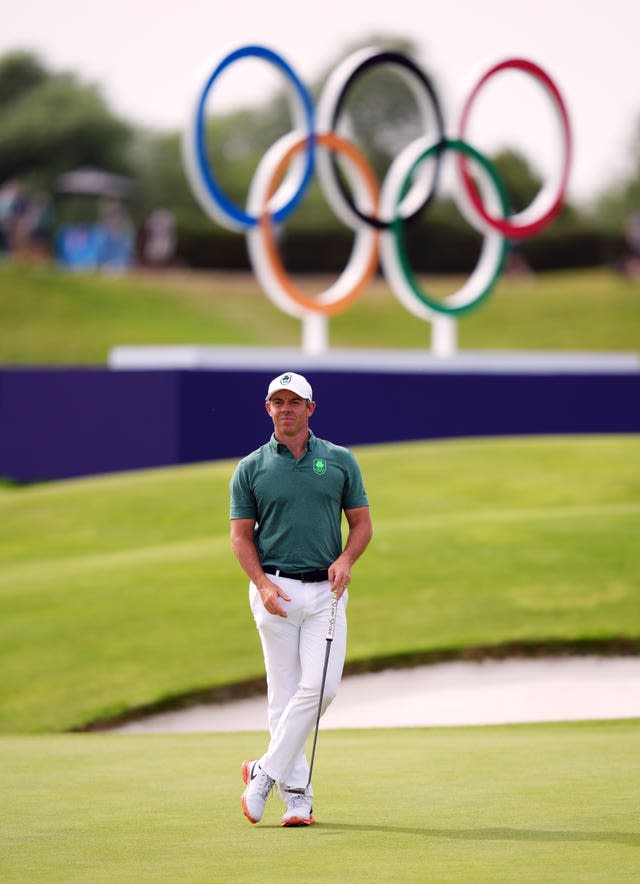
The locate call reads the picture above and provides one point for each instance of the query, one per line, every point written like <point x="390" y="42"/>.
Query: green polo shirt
<point x="297" y="504"/>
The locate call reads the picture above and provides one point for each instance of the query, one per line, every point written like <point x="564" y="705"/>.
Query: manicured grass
<point x="119" y="591"/>
<point x="52" y="317"/>
<point x="553" y="803"/>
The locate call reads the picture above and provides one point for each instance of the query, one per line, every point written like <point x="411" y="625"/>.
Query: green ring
<point x="397" y="227"/>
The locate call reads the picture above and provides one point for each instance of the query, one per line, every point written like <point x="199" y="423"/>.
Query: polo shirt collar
<point x="281" y="448"/>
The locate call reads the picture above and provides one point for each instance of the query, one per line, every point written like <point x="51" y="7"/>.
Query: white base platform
<point x="290" y="358"/>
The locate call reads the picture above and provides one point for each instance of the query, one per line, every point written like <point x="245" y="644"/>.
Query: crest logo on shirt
<point x="319" y="466"/>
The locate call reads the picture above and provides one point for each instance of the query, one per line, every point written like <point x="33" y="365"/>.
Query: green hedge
<point x="434" y="248"/>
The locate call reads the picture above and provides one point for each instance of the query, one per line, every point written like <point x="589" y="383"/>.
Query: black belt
<point x="316" y="576"/>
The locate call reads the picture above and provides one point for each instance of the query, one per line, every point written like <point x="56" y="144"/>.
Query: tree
<point x="32" y="147"/>
<point x="520" y="181"/>
<point x="19" y="72"/>
<point x="622" y="200"/>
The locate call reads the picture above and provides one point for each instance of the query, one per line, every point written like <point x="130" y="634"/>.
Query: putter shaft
<point x="330" y="632"/>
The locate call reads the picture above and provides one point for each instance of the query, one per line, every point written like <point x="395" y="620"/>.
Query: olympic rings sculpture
<point x="376" y="214"/>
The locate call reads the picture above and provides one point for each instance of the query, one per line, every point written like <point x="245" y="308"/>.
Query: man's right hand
<point x="244" y="549"/>
<point x="271" y="593"/>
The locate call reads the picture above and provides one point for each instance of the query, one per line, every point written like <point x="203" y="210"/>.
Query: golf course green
<point x="552" y="803"/>
<point x="119" y="593"/>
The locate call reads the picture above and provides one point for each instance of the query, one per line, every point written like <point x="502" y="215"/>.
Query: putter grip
<point x="332" y="619"/>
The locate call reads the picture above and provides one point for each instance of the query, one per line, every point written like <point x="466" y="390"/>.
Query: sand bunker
<point x="462" y="693"/>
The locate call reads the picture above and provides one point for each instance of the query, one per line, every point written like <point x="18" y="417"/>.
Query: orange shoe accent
<point x="246" y="811"/>
<point x="246" y="777"/>
<point x="297" y="821"/>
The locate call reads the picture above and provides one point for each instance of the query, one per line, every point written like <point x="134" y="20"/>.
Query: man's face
<point x="289" y="412"/>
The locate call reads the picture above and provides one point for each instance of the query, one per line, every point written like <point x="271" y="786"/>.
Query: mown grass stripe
<point x="55" y="569"/>
<point x="550" y="513"/>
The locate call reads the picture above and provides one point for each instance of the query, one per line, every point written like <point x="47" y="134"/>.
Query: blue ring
<point x="228" y="207"/>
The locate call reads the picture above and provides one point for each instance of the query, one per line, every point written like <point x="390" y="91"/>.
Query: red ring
<point x="506" y="227"/>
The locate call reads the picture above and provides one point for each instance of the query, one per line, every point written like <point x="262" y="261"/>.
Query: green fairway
<point x="52" y="317"/>
<point x="121" y="591"/>
<point x="553" y="803"/>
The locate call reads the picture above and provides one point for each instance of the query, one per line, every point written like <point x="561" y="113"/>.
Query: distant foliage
<point x="622" y="199"/>
<point x="52" y="123"/>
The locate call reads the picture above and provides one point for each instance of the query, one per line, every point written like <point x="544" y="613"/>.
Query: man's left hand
<point x="339" y="576"/>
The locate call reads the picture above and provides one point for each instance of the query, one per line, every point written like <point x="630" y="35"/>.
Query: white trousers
<point x="294" y="649"/>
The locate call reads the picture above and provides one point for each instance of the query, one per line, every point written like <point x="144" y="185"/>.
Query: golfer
<point x="287" y="500"/>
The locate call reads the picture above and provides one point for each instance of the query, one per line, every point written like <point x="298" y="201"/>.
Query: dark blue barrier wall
<point x="72" y="422"/>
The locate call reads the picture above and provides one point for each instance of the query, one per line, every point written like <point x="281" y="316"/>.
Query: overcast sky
<point x="146" y="56"/>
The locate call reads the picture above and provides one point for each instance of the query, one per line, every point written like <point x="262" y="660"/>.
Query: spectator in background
<point x="116" y="238"/>
<point x="34" y="229"/>
<point x="12" y="208"/>
<point x="516" y="264"/>
<point x="631" y="260"/>
<point x="159" y="240"/>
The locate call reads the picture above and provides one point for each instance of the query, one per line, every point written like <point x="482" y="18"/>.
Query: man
<point x="287" y="500"/>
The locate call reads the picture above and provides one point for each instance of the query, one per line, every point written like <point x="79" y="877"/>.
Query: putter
<point x="330" y="631"/>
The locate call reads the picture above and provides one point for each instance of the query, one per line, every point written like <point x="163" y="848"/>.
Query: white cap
<point x="291" y="381"/>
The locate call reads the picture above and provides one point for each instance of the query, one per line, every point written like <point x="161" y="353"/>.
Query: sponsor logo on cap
<point x="285" y="379"/>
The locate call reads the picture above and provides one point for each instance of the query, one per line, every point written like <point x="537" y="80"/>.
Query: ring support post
<point x="444" y="336"/>
<point x="315" y="333"/>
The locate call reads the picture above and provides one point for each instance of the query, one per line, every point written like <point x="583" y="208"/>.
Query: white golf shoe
<point x="299" y="810"/>
<point x="259" y="786"/>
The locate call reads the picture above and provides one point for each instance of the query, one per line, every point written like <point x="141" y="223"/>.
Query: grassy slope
<point x="120" y="590"/>
<point x="553" y="803"/>
<point x="57" y="318"/>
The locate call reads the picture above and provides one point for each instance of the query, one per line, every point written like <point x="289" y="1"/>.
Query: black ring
<point x="397" y="58"/>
